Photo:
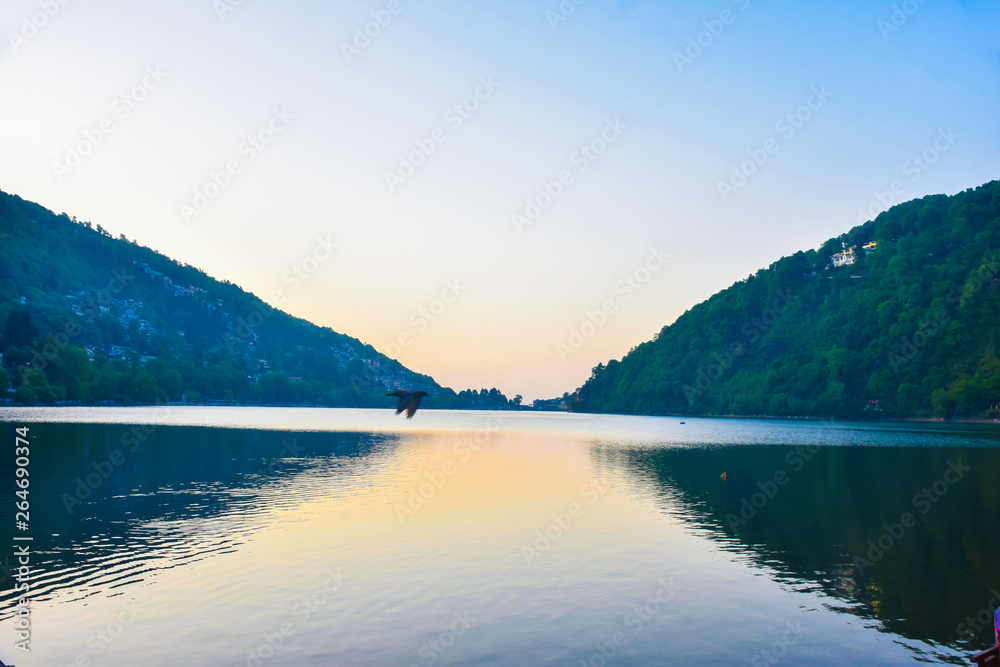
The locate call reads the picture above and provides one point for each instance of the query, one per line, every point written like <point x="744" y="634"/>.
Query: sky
<point x="501" y="193"/>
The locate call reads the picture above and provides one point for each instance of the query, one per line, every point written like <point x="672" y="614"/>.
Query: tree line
<point x="909" y="329"/>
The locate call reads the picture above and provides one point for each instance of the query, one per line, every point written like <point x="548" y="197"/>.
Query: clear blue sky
<point x="829" y="102"/>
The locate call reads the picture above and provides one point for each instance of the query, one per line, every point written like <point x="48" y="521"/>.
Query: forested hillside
<point x="91" y="319"/>
<point x="899" y="317"/>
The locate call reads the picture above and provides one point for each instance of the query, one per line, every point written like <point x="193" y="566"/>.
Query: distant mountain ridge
<point x="898" y="317"/>
<point x="89" y="318"/>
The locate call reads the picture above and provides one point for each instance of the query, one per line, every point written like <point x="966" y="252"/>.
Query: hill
<point x="898" y="317"/>
<point x="91" y="319"/>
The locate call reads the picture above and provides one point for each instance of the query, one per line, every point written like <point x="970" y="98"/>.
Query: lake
<point x="298" y="536"/>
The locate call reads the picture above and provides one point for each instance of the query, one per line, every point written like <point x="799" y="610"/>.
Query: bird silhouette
<point x="409" y="401"/>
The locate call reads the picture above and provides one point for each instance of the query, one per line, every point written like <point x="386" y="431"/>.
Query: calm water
<point x="236" y="536"/>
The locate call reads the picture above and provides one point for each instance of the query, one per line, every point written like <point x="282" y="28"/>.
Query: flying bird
<point x="409" y="401"/>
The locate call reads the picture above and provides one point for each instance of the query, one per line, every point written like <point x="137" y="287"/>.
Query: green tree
<point x="907" y="399"/>
<point x="37" y="383"/>
<point x="277" y="388"/>
<point x="145" y="388"/>
<point x="26" y="395"/>
<point x="18" y="331"/>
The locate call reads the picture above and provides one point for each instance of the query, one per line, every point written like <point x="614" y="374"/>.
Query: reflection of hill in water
<point x="939" y="572"/>
<point x="186" y="493"/>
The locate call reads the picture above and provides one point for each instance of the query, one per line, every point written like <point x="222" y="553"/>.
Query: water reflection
<point x="201" y="525"/>
<point x="806" y="513"/>
<point x="117" y="503"/>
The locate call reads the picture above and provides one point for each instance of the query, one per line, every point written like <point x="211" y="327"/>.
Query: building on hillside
<point x="844" y="258"/>
<point x="120" y="352"/>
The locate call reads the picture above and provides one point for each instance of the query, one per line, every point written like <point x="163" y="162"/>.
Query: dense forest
<point x="91" y="319"/>
<point x="899" y="317"/>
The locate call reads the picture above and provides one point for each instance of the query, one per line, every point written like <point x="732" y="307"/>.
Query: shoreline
<point x="909" y="420"/>
<point x="936" y="420"/>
